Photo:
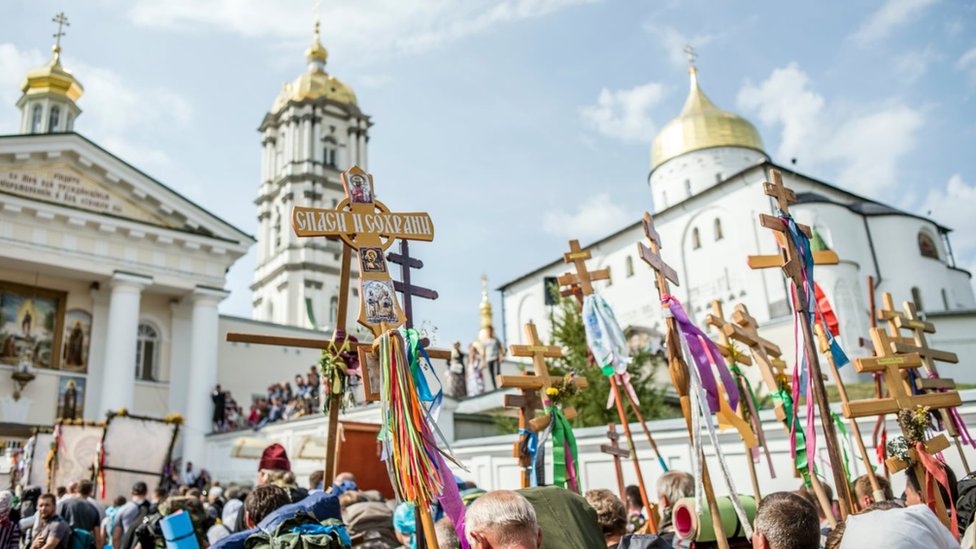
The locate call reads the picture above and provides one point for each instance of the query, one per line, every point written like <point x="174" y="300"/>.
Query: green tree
<point x="591" y="403"/>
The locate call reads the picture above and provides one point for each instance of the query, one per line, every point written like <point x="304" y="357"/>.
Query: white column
<point x="179" y="357"/>
<point x="119" y="374"/>
<point x="202" y="374"/>
<point x="96" y="353"/>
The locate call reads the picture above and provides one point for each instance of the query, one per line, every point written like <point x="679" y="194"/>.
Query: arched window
<point x="609" y="277"/>
<point x="333" y="310"/>
<point x="329" y="152"/>
<point x="147" y="352"/>
<point x="688" y="187"/>
<point x="926" y="246"/>
<point x="945" y="299"/>
<point x="917" y="298"/>
<point x="718" y="229"/>
<point x="36" y="120"/>
<point x="277" y="229"/>
<point x="629" y="266"/>
<point x="695" y="239"/>
<point x="53" y="119"/>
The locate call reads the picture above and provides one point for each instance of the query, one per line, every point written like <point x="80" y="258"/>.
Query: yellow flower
<point x="552" y="391"/>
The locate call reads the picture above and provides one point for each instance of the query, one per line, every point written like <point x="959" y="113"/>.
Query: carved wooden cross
<point x="404" y="286"/>
<point x="663" y="273"/>
<point x="766" y="353"/>
<point x="369" y="227"/>
<point x="541" y="380"/>
<point x="792" y="265"/>
<point x="582" y="278"/>
<point x="918" y="343"/>
<point x="892" y="366"/>
<point x="617" y="453"/>
<point x="784" y="197"/>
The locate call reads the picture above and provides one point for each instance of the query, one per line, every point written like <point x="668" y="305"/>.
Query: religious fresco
<point x="31" y="321"/>
<point x="380" y="299"/>
<point x="71" y="397"/>
<point x="76" y="341"/>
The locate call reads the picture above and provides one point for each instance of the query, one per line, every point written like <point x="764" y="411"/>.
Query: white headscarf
<point x="908" y="528"/>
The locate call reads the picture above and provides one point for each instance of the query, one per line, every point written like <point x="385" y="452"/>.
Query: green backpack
<point x="302" y="531"/>
<point x="81" y="539"/>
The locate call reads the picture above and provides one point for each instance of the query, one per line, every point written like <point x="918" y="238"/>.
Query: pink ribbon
<point x="450" y="499"/>
<point x="701" y="347"/>
<point x="623" y="379"/>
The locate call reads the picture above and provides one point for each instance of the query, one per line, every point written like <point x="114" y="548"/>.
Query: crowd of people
<point x="278" y="513"/>
<point x="282" y="402"/>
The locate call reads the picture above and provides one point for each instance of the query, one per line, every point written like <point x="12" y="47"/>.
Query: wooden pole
<point x="749" y="461"/>
<point x="332" y="440"/>
<point x="820" y="396"/>
<point x="876" y="490"/>
<point x="825" y="504"/>
<point x="633" y="452"/>
<point x="640" y="418"/>
<point x="618" y="468"/>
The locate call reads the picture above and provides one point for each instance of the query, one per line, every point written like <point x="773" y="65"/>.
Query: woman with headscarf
<point x="9" y="530"/>
<point x="405" y="525"/>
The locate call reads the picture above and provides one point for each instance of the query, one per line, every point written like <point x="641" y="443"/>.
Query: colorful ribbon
<point x="935" y="471"/>
<point x="528" y="446"/>
<point x="701" y="347"/>
<point x="565" y="458"/>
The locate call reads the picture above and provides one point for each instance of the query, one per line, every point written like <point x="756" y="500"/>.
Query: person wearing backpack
<point x="78" y="512"/>
<point x="50" y="531"/>
<point x="130" y="515"/>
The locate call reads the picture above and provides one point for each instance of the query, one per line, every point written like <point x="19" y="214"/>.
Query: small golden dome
<point x="315" y="83"/>
<point x="702" y="125"/>
<point x="485" y="307"/>
<point x="52" y="79"/>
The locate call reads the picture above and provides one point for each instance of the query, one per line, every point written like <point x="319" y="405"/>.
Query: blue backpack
<point x="81" y="539"/>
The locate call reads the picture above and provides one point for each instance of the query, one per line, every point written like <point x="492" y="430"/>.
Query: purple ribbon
<point x="450" y="499"/>
<point x="701" y="347"/>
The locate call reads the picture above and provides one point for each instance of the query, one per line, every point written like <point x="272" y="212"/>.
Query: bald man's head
<point x="502" y="519"/>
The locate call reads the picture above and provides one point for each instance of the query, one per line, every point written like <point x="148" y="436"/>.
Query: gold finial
<point x="485" y="303"/>
<point x="62" y="20"/>
<point x="316" y="52"/>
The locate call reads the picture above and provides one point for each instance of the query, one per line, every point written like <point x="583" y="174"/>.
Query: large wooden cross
<point x="663" y="274"/>
<point x="726" y="346"/>
<point x="892" y="367"/>
<point x="582" y="280"/>
<point x="539" y="380"/>
<point x="404" y="286"/>
<point x="792" y="264"/>
<point x="579" y="285"/>
<point x="369" y="227"/>
<point x="918" y="327"/>
<point x="767" y="354"/>
<point x="617" y="453"/>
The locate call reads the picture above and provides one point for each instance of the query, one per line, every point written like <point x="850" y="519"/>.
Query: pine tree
<point x="591" y="403"/>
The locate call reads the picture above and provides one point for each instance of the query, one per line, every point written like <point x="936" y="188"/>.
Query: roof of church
<point x="859" y="205"/>
<point x="702" y="125"/>
<point x="247" y="238"/>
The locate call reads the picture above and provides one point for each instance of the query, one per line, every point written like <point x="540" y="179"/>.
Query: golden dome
<point x="702" y="125"/>
<point x="485" y="307"/>
<point x="52" y="79"/>
<point x="314" y="83"/>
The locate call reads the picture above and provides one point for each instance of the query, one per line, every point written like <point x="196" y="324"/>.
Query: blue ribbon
<point x="531" y="448"/>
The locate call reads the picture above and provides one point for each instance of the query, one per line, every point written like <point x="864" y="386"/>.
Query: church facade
<point x="707" y="170"/>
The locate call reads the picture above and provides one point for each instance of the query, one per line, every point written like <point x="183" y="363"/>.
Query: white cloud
<point x="893" y="14"/>
<point x="952" y="206"/>
<point x="913" y="65"/>
<point x="596" y="216"/>
<point x="675" y="42"/>
<point x="862" y="147"/>
<point x="967" y="63"/>
<point x="122" y="117"/>
<point x="624" y="114"/>
<point x="363" y="28"/>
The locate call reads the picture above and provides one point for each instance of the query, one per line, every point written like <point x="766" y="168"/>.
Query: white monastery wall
<point x="682" y="177"/>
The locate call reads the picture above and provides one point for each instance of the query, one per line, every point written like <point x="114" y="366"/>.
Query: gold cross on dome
<point x="62" y="20"/>
<point x="690" y="52"/>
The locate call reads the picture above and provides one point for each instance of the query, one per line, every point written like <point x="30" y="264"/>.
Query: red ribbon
<point x="935" y="471"/>
<point x="825" y="313"/>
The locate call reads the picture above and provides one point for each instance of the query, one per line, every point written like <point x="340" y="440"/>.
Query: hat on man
<point x="274" y="457"/>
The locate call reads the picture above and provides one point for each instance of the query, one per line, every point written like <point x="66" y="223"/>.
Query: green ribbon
<point x="800" y="461"/>
<point x="842" y="429"/>
<point x="563" y="437"/>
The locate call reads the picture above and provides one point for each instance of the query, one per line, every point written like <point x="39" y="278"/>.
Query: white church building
<point x="707" y="170"/>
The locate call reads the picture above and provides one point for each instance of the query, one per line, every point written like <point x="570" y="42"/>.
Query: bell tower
<point x="313" y="131"/>
<point x="48" y="104"/>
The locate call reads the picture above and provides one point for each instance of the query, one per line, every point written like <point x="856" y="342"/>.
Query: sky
<point x="519" y="124"/>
